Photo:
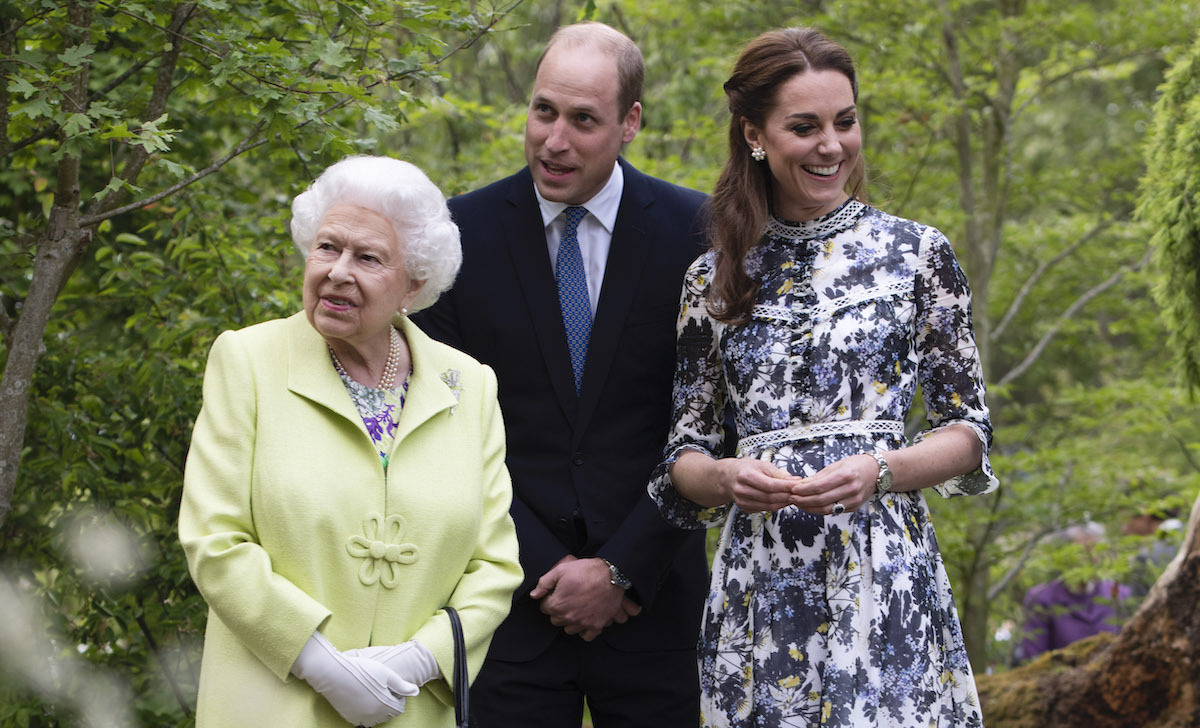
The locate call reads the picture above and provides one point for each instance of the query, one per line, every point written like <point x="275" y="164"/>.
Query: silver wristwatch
<point x="616" y="578"/>
<point x="883" y="481"/>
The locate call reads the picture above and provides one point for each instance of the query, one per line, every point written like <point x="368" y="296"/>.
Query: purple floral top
<point x="380" y="411"/>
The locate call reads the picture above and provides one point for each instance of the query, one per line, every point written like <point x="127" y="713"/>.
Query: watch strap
<point x="616" y="578"/>
<point x="883" y="481"/>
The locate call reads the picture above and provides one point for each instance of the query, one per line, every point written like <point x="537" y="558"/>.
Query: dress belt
<point x="818" y="430"/>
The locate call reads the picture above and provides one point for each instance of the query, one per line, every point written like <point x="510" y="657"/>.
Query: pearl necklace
<point x="389" y="369"/>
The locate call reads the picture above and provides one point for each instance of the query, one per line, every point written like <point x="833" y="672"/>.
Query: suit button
<point x="577" y="459"/>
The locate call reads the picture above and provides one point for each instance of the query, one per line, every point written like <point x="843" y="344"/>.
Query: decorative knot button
<point x="381" y="549"/>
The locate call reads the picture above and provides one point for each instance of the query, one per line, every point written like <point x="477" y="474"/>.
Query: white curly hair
<point x="404" y="195"/>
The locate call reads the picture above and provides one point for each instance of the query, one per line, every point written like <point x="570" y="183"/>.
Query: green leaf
<point x="178" y="171"/>
<point x="76" y="124"/>
<point x="331" y="52"/>
<point x="76" y="55"/>
<point x="117" y="131"/>
<point x="380" y="121"/>
<point x="20" y="86"/>
<point x="130" y="239"/>
<point x="36" y="107"/>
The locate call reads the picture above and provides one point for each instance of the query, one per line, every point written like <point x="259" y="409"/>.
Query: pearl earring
<point x="758" y="153"/>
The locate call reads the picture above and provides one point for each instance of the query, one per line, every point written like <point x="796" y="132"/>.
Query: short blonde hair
<point x="404" y="195"/>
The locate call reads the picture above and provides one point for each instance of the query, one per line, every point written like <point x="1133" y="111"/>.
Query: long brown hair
<point x="740" y="203"/>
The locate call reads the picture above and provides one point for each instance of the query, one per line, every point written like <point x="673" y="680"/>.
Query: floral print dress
<point x="841" y="620"/>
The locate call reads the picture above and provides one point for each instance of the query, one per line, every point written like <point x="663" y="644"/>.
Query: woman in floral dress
<point x="816" y="317"/>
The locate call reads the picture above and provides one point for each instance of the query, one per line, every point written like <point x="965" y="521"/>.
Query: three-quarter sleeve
<point x="698" y="400"/>
<point x="950" y="372"/>
<point x="269" y="614"/>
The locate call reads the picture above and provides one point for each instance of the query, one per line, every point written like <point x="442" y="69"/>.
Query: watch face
<point x="618" y="578"/>
<point x="883" y="481"/>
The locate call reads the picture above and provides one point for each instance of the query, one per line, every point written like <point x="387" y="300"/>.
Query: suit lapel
<point x="622" y="273"/>
<point x="531" y="267"/>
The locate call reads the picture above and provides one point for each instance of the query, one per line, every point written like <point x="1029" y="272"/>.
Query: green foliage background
<point x="1026" y="149"/>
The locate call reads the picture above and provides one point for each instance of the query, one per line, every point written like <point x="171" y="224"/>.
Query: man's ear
<point x="632" y="122"/>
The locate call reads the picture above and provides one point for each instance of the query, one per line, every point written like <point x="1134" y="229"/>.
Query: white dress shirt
<point x="594" y="232"/>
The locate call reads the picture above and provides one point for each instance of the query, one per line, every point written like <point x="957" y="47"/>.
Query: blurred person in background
<point x="1059" y="612"/>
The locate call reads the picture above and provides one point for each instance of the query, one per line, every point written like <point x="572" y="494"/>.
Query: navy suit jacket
<point x="580" y="463"/>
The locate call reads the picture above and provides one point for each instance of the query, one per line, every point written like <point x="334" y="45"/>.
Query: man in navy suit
<point x="575" y="309"/>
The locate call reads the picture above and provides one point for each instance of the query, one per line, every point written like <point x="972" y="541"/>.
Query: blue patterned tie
<point x="573" y="293"/>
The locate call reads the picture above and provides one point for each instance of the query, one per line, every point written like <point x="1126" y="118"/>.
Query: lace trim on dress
<point x="819" y="430"/>
<point x="795" y="314"/>
<point x="885" y="291"/>
<point x="836" y="221"/>
<point x="774" y="313"/>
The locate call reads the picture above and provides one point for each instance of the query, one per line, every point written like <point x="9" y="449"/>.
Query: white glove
<point x="411" y="660"/>
<point x="362" y="691"/>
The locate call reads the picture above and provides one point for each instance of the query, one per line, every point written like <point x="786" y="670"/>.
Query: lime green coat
<point x="290" y="524"/>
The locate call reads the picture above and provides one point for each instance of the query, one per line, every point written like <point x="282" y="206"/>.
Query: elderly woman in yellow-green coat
<point x="346" y="479"/>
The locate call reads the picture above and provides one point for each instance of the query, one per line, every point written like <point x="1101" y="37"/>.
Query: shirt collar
<point x="603" y="206"/>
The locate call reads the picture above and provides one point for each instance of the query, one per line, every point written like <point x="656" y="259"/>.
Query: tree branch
<point x="916" y="175"/>
<point x="243" y="146"/>
<point x="154" y="108"/>
<point x="962" y="140"/>
<point x="1067" y="75"/>
<point x="1187" y="454"/>
<point x="496" y="17"/>
<point x="998" y="588"/>
<point x="63" y="242"/>
<point x="95" y="217"/>
<point x="1066" y="315"/>
<point x="6" y="320"/>
<point x="1041" y="271"/>
<point x="8" y="43"/>
<point x="102" y="93"/>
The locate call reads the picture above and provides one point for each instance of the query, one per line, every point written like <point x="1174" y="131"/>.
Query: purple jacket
<point x="1056" y="616"/>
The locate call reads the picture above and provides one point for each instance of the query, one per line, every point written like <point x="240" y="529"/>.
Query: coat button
<point x="577" y="459"/>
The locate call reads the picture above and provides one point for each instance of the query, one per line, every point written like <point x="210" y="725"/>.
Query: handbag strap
<point x="460" y="681"/>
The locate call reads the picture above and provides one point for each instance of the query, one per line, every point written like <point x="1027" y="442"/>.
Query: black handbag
<point x="459" y="682"/>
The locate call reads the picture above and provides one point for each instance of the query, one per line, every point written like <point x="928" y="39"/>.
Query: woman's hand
<point x="850" y="482"/>
<point x="754" y="485"/>
<point x="411" y="660"/>
<point x="361" y="690"/>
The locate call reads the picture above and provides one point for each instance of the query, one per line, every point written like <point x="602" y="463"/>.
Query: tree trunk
<point x="1146" y="677"/>
<point x="62" y="246"/>
<point x="58" y="251"/>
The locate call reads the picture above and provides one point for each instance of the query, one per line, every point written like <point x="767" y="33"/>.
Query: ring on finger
<point x="838" y="509"/>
